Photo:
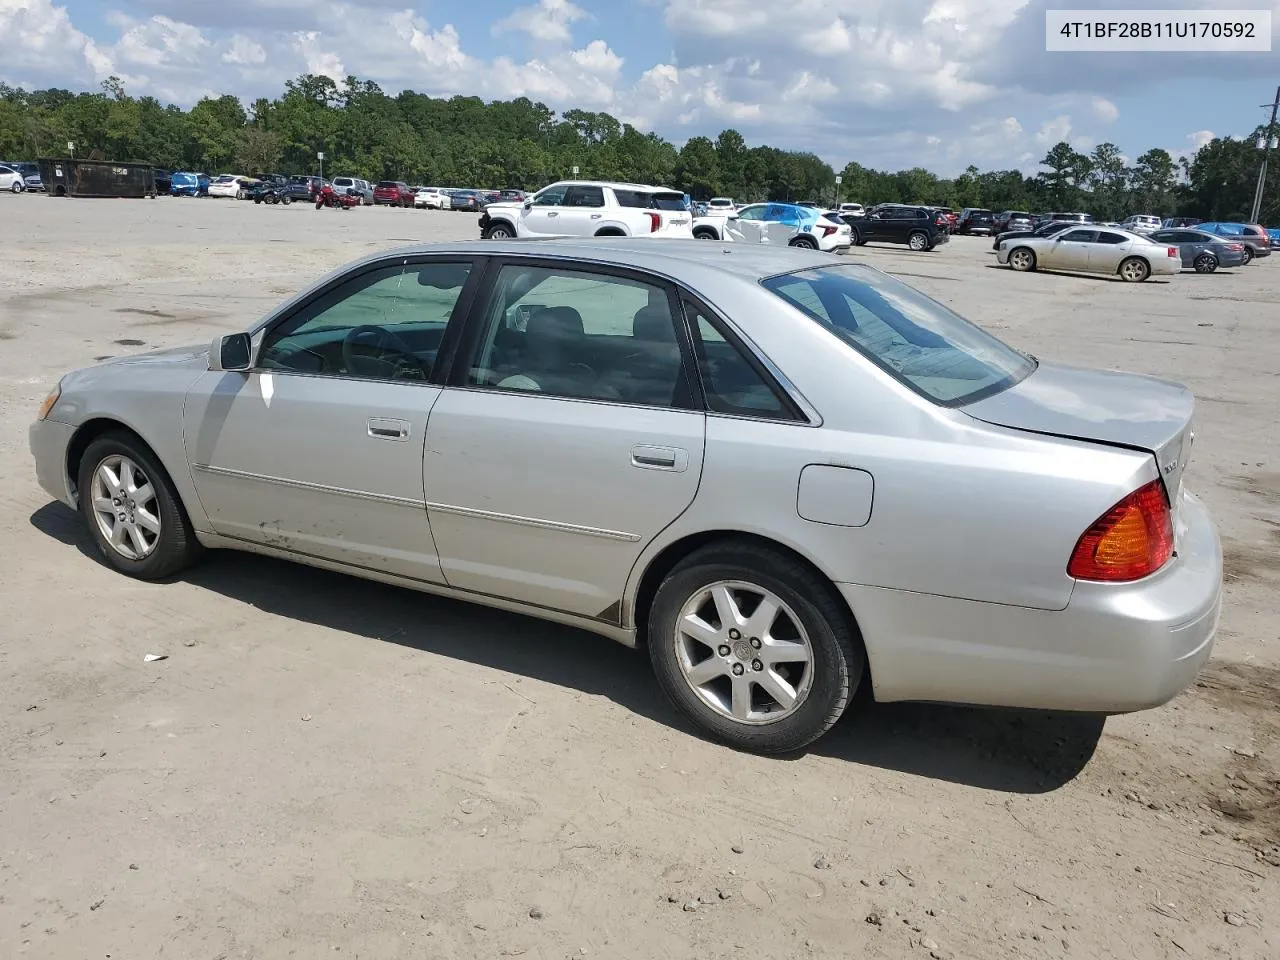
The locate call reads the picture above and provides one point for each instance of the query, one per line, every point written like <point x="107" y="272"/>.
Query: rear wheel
<point x="1206" y="263"/>
<point x="805" y="243"/>
<point x="1134" y="270"/>
<point x="1248" y="254"/>
<point x="919" y="240"/>
<point x="705" y="233"/>
<point x="1022" y="260"/>
<point x="132" y="509"/>
<point x="753" y="647"/>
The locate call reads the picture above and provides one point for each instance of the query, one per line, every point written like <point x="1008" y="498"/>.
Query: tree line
<point x="464" y="141"/>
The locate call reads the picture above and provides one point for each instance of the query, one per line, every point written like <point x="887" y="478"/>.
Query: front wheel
<point x="918" y="241"/>
<point x="1206" y="263"/>
<point x="1134" y="270"/>
<point x="753" y="647"/>
<point x="133" y="511"/>
<point x="857" y="238"/>
<point x="498" y="231"/>
<point x="1022" y="260"/>
<point x="286" y="199"/>
<point x="16" y="186"/>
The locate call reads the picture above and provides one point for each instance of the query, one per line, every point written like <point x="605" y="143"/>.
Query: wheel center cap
<point x="742" y="650"/>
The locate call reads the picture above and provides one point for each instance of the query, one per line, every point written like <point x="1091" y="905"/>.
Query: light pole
<point x="839" y="180"/>
<point x="1265" y="143"/>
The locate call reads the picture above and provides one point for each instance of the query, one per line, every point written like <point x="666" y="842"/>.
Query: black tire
<point x="1206" y="263"/>
<point x="705" y="234"/>
<point x="1248" y="255"/>
<point x="1022" y="259"/>
<point x="838" y="657"/>
<point x="286" y="199"/>
<point x="857" y="238"/>
<point x="1134" y="270"/>
<point x="177" y="546"/>
<point x="805" y="243"/>
<point x="918" y="241"/>
<point x="499" y="231"/>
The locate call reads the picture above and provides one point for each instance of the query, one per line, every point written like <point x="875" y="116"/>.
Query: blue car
<point x="189" y="185"/>
<point x="1256" y="241"/>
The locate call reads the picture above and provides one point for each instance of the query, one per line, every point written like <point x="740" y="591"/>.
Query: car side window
<point x="550" y="197"/>
<point x="584" y="197"/>
<point x="751" y="213"/>
<point x="1080" y="236"/>
<point x="1165" y="236"/>
<point x="1112" y="238"/>
<point x="582" y="335"/>
<point x="730" y="382"/>
<point x="384" y="324"/>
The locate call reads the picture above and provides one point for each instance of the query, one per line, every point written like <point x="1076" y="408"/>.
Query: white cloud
<point x="322" y="62"/>
<point x="244" y="52"/>
<point x="546" y="20"/>
<point x="1105" y="110"/>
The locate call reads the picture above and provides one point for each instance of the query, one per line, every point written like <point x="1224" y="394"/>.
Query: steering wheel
<point x="403" y="360"/>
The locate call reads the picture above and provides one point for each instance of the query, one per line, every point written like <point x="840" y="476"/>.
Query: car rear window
<point x="918" y="341"/>
<point x="646" y="200"/>
<point x="386" y="184"/>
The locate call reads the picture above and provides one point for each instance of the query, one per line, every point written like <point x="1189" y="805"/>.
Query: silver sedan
<point x="1092" y="250"/>
<point x="781" y="472"/>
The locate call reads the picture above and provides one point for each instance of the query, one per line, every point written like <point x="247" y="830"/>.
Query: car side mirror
<point x="234" y="352"/>
<point x="528" y="204"/>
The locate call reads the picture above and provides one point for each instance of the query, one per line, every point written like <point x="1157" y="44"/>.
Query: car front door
<point x="569" y="436"/>
<point x="747" y="225"/>
<point x="1069" y="250"/>
<point x="875" y="224"/>
<point x="541" y="216"/>
<point x="318" y="449"/>
<point x="582" y="211"/>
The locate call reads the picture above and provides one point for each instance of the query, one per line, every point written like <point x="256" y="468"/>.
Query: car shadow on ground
<point x="1095" y="277"/>
<point x="1014" y="751"/>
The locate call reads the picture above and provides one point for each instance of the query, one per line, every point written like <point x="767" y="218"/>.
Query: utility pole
<point x="1270" y="136"/>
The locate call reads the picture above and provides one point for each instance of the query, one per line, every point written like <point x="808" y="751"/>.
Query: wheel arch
<point x="1134" y="256"/>
<point x="89" y="431"/>
<point x="665" y="560"/>
<point x="610" y="231"/>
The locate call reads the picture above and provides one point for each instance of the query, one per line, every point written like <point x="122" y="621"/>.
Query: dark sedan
<point x="1201" y="251"/>
<point x="1052" y="228"/>
<point x="976" y="221"/>
<point x="304" y="188"/>
<point x="468" y="200"/>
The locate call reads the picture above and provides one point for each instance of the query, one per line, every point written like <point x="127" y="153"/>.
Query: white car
<point x="786" y="224"/>
<point x="11" y="180"/>
<point x="229" y="185"/>
<point x="432" y="198"/>
<point x="853" y="209"/>
<point x="1141" y="223"/>
<point x="590" y="208"/>
<point x="1088" y="249"/>
<point x="721" y="207"/>
<point x="363" y="189"/>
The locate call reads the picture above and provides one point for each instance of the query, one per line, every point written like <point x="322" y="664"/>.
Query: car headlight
<point x="47" y="404"/>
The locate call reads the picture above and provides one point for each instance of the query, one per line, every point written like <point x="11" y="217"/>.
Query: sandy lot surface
<point x="325" y="767"/>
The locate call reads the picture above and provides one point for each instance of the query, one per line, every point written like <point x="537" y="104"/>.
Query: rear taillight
<point x="828" y="231"/>
<point x="1130" y="541"/>
<point x="655" y="221"/>
<point x="1173" y="252"/>
<point x="1237" y="247"/>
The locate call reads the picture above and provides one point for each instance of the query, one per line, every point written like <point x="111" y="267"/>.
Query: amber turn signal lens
<point x="1130" y="541"/>
<point x="47" y="404"/>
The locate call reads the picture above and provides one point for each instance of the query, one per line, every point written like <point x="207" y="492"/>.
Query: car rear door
<point x="1107" y="250"/>
<point x="318" y="450"/>
<point x="568" y="436"/>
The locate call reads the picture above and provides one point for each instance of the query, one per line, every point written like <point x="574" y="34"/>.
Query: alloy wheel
<point x="125" y="507"/>
<point x="1020" y="259"/>
<point x="1135" y="271"/>
<point x="743" y="652"/>
<point x="918" y="241"/>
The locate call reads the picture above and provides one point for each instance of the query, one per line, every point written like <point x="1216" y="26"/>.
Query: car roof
<point x="681" y="260"/>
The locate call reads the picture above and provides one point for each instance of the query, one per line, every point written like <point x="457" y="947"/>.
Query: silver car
<point x="1205" y="252"/>
<point x="1093" y="250"/>
<point x="780" y="471"/>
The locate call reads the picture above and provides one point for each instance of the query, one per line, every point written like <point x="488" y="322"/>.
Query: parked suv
<point x="782" y="223"/>
<point x="1256" y="240"/>
<point x="976" y="221"/>
<point x="392" y="193"/>
<point x="362" y="188"/>
<point x="588" y="208"/>
<point x="920" y="228"/>
<point x="304" y="188"/>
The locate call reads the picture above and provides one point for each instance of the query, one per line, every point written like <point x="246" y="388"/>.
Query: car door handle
<point x="552" y="213"/>
<point x="596" y="216"/>
<point x="659" y="458"/>
<point x="383" y="429"/>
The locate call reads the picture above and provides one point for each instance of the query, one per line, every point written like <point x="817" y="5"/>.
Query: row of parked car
<point x="20" y="176"/>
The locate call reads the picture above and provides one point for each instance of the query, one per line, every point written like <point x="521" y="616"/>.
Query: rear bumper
<point x="1261" y="251"/>
<point x="1115" y="648"/>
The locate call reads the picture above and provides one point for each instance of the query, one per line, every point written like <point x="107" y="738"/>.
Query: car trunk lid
<point x="1102" y="406"/>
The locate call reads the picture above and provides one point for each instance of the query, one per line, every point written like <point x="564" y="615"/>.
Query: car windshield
<point x="918" y="341"/>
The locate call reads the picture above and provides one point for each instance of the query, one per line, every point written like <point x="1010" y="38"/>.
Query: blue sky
<point x="888" y="83"/>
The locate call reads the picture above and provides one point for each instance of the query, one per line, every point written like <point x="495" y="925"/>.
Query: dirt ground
<point x="326" y="767"/>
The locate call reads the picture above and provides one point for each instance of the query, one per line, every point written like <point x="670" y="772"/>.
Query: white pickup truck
<point x="588" y="208"/>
